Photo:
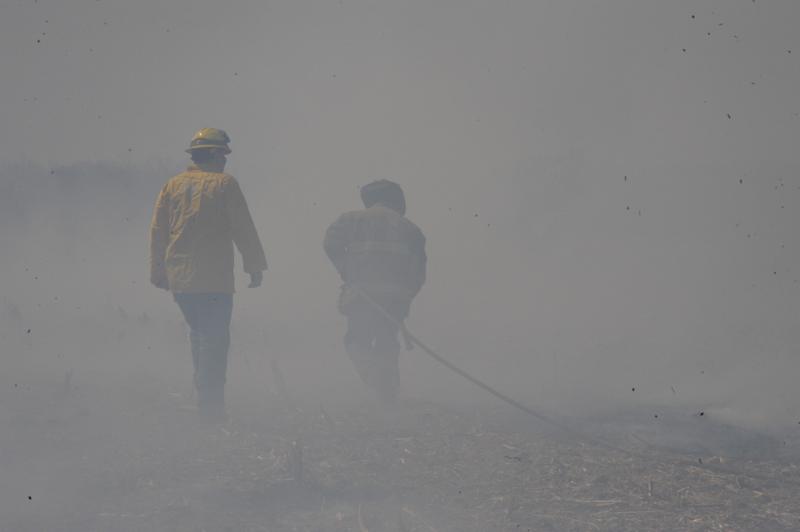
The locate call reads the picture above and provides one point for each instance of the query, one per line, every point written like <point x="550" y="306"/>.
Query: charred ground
<point x="77" y="457"/>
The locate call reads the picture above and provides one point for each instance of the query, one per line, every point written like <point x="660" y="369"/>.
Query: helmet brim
<point x="226" y="149"/>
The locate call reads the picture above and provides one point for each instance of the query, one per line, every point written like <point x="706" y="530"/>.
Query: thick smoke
<point x="669" y="289"/>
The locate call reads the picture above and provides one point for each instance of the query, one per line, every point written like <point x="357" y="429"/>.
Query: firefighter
<point x="380" y="257"/>
<point x="199" y="215"/>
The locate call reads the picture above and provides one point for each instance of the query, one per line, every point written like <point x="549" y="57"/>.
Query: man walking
<point x="199" y="215"/>
<point x="380" y="256"/>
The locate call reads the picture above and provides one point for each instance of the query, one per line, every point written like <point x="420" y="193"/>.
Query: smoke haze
<point x="610" y="192"/>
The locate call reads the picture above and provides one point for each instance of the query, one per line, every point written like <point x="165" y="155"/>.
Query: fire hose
<point x="411" y="340"/>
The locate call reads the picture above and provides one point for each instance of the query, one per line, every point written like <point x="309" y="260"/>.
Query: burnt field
<point x="78" y="455"/>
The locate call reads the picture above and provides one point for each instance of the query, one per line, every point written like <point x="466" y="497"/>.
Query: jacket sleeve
<point x="243" y="230"/>
<point x="421" y="261"/>
<point x="337" y="238"/>
<point x="159" y="238"/>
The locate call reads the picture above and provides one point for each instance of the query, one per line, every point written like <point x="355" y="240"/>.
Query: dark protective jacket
<point x="198" y="217"/>
<point x="380" y="251"/>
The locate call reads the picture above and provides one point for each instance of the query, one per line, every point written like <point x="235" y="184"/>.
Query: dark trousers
<point x="371" y="343"/>
<point x="209" y="317"/>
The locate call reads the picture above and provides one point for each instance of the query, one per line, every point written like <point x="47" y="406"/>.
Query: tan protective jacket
<point x="381" y="252"/>
<point x="198" y="216"/>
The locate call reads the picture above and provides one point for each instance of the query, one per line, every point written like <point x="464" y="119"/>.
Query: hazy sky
<point x="598" y="177"/>
<point x="401" y="81"/>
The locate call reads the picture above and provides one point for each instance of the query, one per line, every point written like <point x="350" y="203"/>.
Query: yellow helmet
<point x="210" y="137"/>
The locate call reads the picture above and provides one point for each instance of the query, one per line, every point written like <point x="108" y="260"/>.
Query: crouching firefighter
<point x="199" y="215"/>
<point x="380" y="256"/>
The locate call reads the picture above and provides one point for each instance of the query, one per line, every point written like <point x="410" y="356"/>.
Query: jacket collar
<point x="213" y="168"/>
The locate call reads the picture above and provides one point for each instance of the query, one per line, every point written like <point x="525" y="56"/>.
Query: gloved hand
<point x="255" y="279"/>
<point x="160" y="281"/>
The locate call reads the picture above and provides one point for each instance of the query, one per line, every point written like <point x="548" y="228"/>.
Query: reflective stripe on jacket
<point x="379" y="250"/>
<point x="199" y="215"/>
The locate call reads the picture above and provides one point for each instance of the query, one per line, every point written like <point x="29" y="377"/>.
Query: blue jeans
<point x="209" y="317"/>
